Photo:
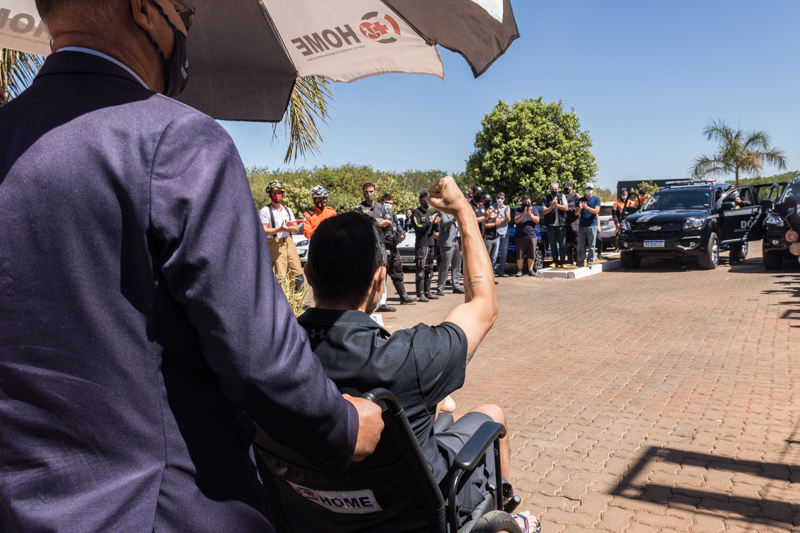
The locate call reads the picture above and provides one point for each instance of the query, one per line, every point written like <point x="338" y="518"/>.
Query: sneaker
<point x="564" y="265"/>
<point x="440" y="292"/>
<point x="531" y="273"/>
<point x="518" y="274"/>
<point x="589" y="265"/>
<point x="530" y="524"/>
<point x="458" y="290"/>
<point x="503" y="275"/>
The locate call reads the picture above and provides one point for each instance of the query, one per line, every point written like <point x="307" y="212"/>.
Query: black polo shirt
<point x="480" y="211"/>
<point x="421" y="365"/>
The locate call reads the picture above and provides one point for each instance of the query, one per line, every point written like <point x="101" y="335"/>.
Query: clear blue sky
<point x="645" y="77"/>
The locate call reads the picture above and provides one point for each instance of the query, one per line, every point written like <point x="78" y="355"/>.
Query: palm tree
<point x="309" y="101"/>
<point x="739" y="152"/>
<point x="17" y="70"/>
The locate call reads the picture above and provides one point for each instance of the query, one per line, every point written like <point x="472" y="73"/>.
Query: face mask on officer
<point x="277" y="197"/>
<point x="554" y="192"/>
<point x="487" y="203"/>
<point x="567" y="190"/>
<point x="500" y="201"/>
<point x="370" y="196"/>
<point x="320" y="202"/>
<point x="476" y="197"/>
<point x="388" y="207"/>
<point x="176" y="68"/>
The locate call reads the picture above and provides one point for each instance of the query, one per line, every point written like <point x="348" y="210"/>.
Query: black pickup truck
<point x="694" y="218"/>
<point x="775" y="245"/>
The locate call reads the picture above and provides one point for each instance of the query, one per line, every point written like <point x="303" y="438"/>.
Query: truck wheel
<point x="710" y="259"/>
<point x="630" y="260"/>
<point x="772" y="261"/>
<point x="738" y="252"/>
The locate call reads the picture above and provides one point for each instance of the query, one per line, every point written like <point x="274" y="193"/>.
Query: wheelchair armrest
<point x="477" y="445"/>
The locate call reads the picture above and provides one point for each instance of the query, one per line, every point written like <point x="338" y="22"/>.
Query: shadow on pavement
<point x="751" y="510"/>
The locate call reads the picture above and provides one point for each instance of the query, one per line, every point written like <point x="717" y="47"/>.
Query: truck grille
<point x="656" y="235"/>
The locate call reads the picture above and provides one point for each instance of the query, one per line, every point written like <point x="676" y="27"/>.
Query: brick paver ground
<point x="662" y="399"/>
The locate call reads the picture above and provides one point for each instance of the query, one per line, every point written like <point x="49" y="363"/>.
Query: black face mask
<point x="320" y="203"/>
<point x="176" y="68"/>
<point x="567" y="190"/>
<point x="554" y="193"/>
<point x="423" y="204"/>
<point x="476" y="198"/>
<point x="487" y="203"/>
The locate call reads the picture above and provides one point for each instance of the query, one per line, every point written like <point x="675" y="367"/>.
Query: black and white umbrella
<point x="246" y="54"/>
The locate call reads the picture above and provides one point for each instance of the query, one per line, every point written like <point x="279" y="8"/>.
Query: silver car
<point x="607" y="227"/>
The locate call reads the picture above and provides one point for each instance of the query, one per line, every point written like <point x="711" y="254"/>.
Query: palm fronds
<point x="739" y="152"/>
<point x="309" y="103"/>
<point x="17" y="70"/>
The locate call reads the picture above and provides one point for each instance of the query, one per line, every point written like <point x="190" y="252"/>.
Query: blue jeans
<point x="499" y="259"/>
<point x="587" y="235"/>
<point x="557" y="235"/>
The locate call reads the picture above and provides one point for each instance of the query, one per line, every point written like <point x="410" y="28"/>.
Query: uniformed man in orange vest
<point x="318" y="213"/>
<point x="643" y="197"/>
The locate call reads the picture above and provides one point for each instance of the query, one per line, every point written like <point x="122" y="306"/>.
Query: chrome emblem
<point x="655" y="228"/>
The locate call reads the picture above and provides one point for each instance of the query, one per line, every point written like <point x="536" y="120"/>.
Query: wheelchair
<point x="391" y="491"/>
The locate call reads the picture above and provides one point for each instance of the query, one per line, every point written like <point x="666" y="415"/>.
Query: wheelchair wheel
<point x="495" y="522"/>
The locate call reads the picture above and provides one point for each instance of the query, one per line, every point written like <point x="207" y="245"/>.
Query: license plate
<point x="653" y="244"/>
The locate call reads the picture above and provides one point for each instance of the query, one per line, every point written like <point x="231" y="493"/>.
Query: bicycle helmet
<point x="318" y="191"/>
<point x="276" y="186"/>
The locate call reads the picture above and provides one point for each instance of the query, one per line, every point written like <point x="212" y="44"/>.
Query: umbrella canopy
<point x="246" y="54"/>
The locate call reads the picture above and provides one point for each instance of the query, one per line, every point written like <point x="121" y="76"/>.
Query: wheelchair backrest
<point x="392" y="490"/>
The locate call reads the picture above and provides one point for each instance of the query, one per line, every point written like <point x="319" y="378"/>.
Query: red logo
<point x="377" y="30"/>
<point x="306" y="493"/>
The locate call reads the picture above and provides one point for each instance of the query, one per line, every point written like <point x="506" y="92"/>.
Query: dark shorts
<point x="474" y="491"/>
<point x="525" y="246"/>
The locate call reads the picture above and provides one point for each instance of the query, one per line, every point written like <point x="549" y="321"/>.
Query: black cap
<point x="477" y="188"/>
<point x="568" y="184"/>
<point x="487" y="197"/>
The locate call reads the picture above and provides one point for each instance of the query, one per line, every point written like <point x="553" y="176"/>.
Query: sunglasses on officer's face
<point x="185" y="12"/>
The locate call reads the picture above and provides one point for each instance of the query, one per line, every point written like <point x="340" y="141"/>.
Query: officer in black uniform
<point x="396" y="235"/>
<point x="376" y="211"/>
<point x="425" y="224"/>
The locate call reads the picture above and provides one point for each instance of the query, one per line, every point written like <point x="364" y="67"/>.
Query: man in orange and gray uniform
<point x="318" y="213"/>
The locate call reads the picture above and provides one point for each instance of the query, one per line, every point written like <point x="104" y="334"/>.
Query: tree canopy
<point x="344" y="185"/>
<point x="521" y="148"/>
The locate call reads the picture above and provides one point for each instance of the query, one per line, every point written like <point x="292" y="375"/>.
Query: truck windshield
<point x="793" y="189"/>
<point x="669" y="199"/>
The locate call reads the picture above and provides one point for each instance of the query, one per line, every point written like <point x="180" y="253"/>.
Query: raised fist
<point x="446" y="197"/>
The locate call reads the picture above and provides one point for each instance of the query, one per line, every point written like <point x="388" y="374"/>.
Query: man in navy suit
<point x="141" y="327"/>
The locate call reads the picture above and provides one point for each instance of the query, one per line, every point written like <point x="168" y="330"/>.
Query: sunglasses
<point x="185" y="12"/>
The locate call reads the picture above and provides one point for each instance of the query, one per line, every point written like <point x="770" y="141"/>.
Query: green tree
<point x="17" y="70"/>
<point x="739" y="152"/>
<point x="522" y="148"/>
<point x="649" y="186"/>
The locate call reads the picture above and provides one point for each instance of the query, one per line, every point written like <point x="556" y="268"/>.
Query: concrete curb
<point x="549" y="273"/>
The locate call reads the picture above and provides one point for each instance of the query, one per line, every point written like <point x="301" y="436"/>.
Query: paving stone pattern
<point x="661" y="399"/>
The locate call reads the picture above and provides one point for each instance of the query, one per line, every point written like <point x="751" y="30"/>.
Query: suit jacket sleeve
<point x="208" y="243"/>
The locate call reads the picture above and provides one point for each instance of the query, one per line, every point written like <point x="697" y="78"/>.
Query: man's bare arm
<point x="477" y="315"/>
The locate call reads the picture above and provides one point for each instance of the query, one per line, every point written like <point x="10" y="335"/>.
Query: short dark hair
<point x="526" y="196"/>
<point x="387" y="196"/>
<point x="343" y="255"/>
<point x="47" y="8"/>
<point x="367" y="184"/>
<point x="424" y="194"/>
<point x="501" y="192"/>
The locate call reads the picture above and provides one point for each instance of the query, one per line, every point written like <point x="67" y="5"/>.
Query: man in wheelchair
<point x="421" y="365"/>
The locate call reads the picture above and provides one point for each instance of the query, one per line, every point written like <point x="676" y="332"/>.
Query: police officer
<point x="394" y="266"/>
<point x="375" y="210"/>
<point x="425" y="224"/>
